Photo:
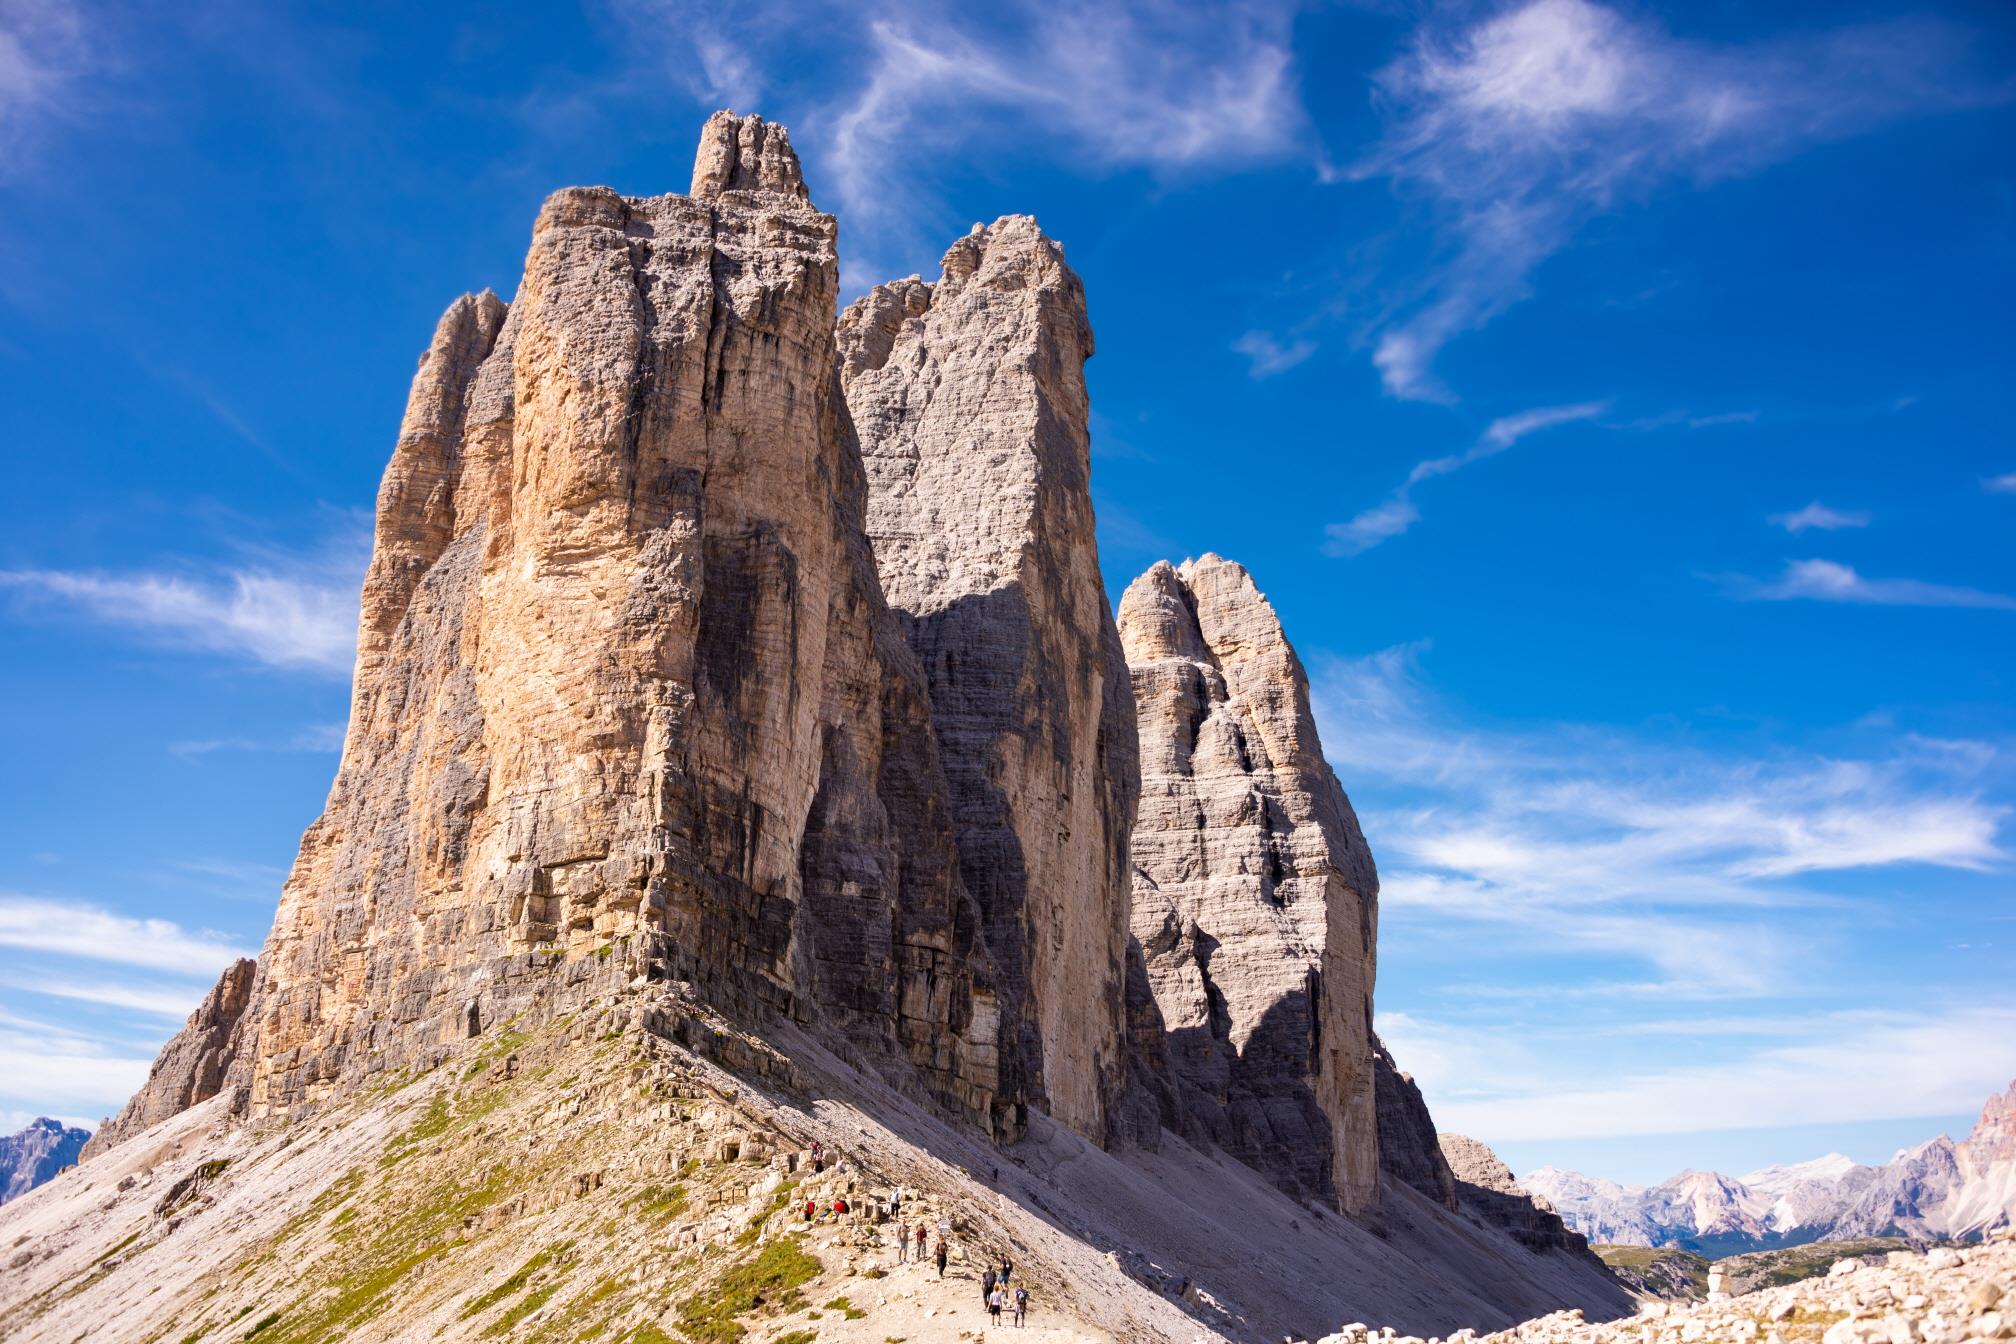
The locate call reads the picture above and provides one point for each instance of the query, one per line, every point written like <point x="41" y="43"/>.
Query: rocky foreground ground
<point x="1941" y="1296"/>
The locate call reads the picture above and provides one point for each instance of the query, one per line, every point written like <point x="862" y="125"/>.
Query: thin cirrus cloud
<point x="1129" y="85"/>
<point x="1267" y="356"/>
<point x="1518" y="129"/>
<point x="1817" y="516"/>
<point x="44" y="52"/>
<point x="2004" y="484"/>
<point x="1814" y="1070"/>
<point x="1690" y="892"/>
<point x="1625" y="850"/>
<point x="298" y="622"/>
<point x="90" y="933"/>
<point x="1398" y="512"/>
<point x="1829" y="581"/>
<point x="125" y="981"/>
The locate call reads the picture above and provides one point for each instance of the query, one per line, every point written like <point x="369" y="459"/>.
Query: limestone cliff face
<point x="191" y="1068"/>
<point x="1253" y="890"/>
<point x="625" y="669"/>
<point x="968" y="398"/>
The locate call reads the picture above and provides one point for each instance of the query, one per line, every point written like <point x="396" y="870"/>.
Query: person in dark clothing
<point x="986" y="1286"/>
<point x="1021" y="1304"/>
<point x="941" y="1259"/>
<point x="1007" y="1269"/>
<point x="920" y="1243"/>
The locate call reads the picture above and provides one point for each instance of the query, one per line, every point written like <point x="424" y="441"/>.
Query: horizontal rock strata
<point x="968" y="398"/>
<point x="624" y="668"/>
<point x="1254" y="892"/>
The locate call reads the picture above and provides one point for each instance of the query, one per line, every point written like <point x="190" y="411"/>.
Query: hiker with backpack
<point x="1021" y="1299"/>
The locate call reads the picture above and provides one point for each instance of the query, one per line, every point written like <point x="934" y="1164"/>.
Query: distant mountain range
<point x="1939" y="1189"/>
<point x="38" y="1152"/>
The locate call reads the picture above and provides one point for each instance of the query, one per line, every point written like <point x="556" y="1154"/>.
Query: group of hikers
<point x="998" y="1291"/>
<point x="1000" y="1295"/>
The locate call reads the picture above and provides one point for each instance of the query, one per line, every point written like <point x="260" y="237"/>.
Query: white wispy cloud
<point x="1130" y="85"/>
<point x="1818" y="516"/>
<point x="2004" y="484"/>
<point x="1939" y="1060"/>
<point x="1398" y="512"/>
<point x="1138" y="84"/>
<point x="1268" y="356"/>
<point x="69" y="1076"/>
<point x="303" y="620"/>
<point x="1828" y="581"/>
<point x="90" y="933"/>
<point x="43" y="53"/>
<point x="159" y="1000"/>
<point x="320" y="737"/>
<point x="1625" y="851"/>
<point x="1518" y="128"/>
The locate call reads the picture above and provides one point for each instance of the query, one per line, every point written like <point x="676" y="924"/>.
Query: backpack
<point x="1021" y="1297"/>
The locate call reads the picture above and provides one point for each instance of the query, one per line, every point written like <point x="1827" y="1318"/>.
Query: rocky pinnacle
<point x="968" y="398"/>
<point x="1254" y="893"/>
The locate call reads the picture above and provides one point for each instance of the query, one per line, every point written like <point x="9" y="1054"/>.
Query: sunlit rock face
<point x="624" y="668"/>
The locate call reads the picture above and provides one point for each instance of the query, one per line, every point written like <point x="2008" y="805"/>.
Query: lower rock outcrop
<point x="192" y="1067"/>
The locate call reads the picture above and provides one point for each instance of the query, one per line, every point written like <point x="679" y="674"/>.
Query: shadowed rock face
<point x="968" y="397"/>
<point x="624" y="668"/>
<point x="1253" y="893"/>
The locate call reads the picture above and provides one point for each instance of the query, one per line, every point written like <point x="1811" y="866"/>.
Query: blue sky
<point x="1614" y="399"/>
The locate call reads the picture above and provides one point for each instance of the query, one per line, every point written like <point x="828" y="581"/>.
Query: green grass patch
<point x="263" y="1324"/>
<point x="212" y="1169"/>
<point x="120" y="1247"/>
<point x="846" y="1308"/>
<point x="516" y="1283"/>
<point x="658" y="1203"/>
<point x="778" y="1203"/>
<point x="767" y="1280"/>
<point x="796" y="1337"/>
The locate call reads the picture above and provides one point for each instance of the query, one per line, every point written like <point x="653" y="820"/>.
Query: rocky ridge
<point x="738" y="709"/>
<point x="192" y="1067"/>
<point x="36" y="1153"/>
<point x="1939" y="1189"/>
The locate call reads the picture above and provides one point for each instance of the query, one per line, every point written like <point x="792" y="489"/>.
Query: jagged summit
<point x="744" y="762"/>
<point x="745" y="154"/>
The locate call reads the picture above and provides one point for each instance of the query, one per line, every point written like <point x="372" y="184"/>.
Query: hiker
<point x="941" y="1259"/>
<point x="994" y="1306"/>
<point x="920" y="1243"/>
<point x="811" y="1209"/>
<point x="987" y="1284"/>
<point x="902" y="1243"/>
<point x="839" y="1209"/>
<point x="818" y="1162"/>
<point x="1007" y="1268"/>
<point x="1021" y="1304"/>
